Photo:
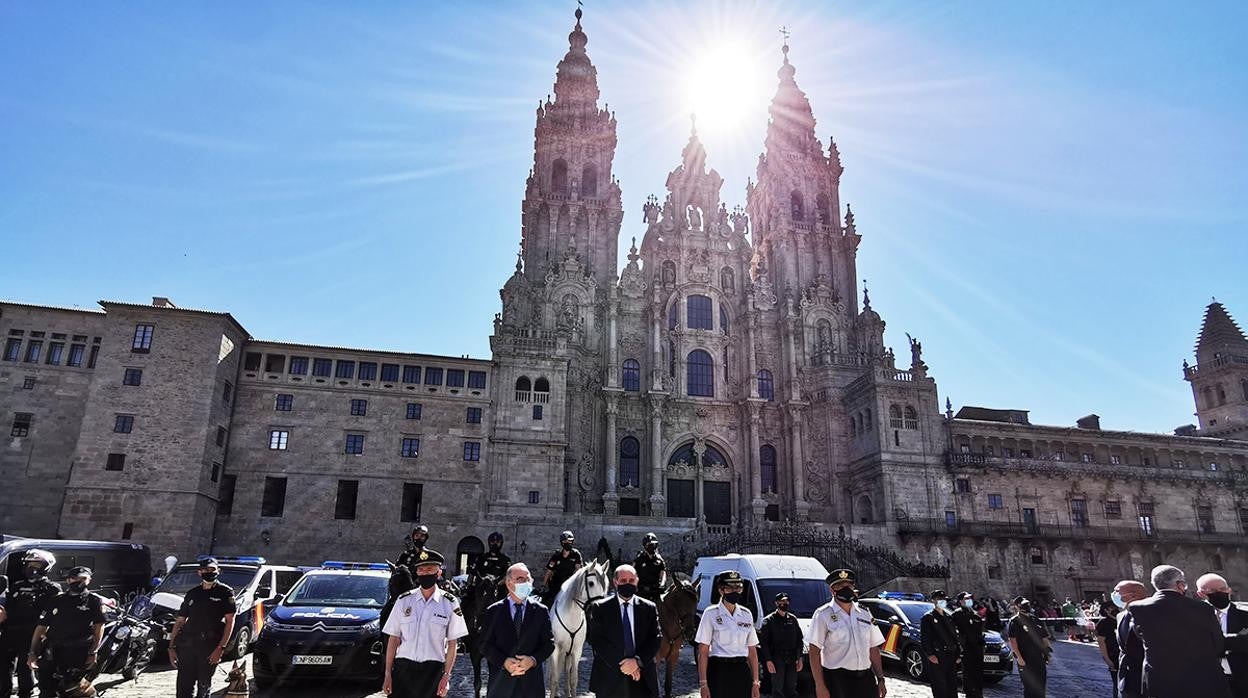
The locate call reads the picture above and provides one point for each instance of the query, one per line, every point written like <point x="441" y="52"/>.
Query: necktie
<point x="518" y="618"/>
<point x="630" y="643"/>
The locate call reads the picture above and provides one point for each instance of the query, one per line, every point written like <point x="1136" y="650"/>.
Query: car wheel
<point x="241" y="640"/>
<point x="913" y="659"/>
<point x="993" y="679"/>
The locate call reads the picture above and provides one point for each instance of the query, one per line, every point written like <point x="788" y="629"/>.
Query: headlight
<point x="371" y="627"/>
<point x="276" y="626"/>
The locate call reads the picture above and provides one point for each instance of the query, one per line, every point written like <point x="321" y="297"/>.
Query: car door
<point x="883" y="614"/>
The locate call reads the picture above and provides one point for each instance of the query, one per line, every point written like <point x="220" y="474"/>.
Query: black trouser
<point x="63" y="666"/>
<point x="1034" y="676"/>
<point x="194" y="671"/>
<point x="729" y="677"/>
<point x="942" y="677"/>
<point x="14" y="648"/>
<point x="784" y="681"/>
<point x="851" y="683"/>
<point x="415" y="679"/>
<point x="973" y="672"/>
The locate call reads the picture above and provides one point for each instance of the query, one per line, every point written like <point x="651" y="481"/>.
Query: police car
<point x="328" y="626"/>
<point x="898" y="614"/>
<point x="255" y="583"/>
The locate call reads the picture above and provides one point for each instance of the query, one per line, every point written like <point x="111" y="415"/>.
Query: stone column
<point x="657" y="500"/>
<point x="751" y="355"/>
<point x="656" y="365"/>
<point x="796" y="464"/>
<point x="613" y="354"/>
<point x="611" y="500"/>
<point x="699" y="511"/>
<point x="792" y="326"/>
<point x="757" y="504"/>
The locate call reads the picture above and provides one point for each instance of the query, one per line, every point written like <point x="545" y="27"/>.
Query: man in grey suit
<point x="1182" y="639"/>
<point x="516" y="639"/>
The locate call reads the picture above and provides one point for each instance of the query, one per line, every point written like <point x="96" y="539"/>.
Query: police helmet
<point x="496" y="537"/>
<point x="566" y="536"/>
<point x="650" y="538"/>
<point x="421" y="530"/>
<point x="37" y="555"/>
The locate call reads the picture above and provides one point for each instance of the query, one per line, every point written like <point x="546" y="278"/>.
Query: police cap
<point x="650" y="537"/>
<point x="841" y="575"/>
<point x="938" y="594"/>
<point x="206" y="563"/>
<point x="79" y="571"/>
<point x="1018" y="599"/>
<point x="963" y="595"/>
<point x="782" y="597"/>
<point x="729" y="578"/>
<point x="428" y="556"/>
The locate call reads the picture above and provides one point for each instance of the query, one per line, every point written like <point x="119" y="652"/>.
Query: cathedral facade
<point x="729" y="378"/>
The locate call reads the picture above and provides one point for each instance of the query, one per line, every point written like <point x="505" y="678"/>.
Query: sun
<point x="725" y="88"/>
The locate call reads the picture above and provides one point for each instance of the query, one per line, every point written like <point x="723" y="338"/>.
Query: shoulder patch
<point x="459" y="611"/>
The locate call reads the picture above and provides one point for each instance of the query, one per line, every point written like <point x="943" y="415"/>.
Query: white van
<point x="804" y="579"/>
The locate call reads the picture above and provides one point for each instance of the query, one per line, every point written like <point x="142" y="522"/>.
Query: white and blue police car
<point x="328" y="626"/>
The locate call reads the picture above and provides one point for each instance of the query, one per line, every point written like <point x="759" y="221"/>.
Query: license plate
<point x="991" y="659"/>
<point x="320" y="659"/>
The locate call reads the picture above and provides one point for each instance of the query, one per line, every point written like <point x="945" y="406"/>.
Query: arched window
<point x="699" y="313"/>
<point x="559" y="176"/>
<point x="825" y="211"/>
<point x="865" y="513"/>
<point x="858" y="424"/>
<point x="523" y="386"/>
<point x="851" y="425"/>
<point x="912" y="418"/>
<point x="630" y="462"/>
<point x="467" y="552"/>
<point x="727" y="280"/>
<point x="767" y="467"/>
<point x="867" y="422"/>
<point x="894" y="417"/>
<point x="632" y="375"/>
<point x="669" y="272"/>
<point x="766" y="386"/>
<point x="589" y="181"/>
<point x="541" y="385"/>
<point x="795" y="203"/>
<point x="1221" y="395"/>
<point x="723" y="319"/>
<point x="701" y="374"/>
<point x="673" y="315"/>
<point x="685" y="454"/>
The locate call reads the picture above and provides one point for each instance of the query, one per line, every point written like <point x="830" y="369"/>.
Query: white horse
<point x="568" y="621"/>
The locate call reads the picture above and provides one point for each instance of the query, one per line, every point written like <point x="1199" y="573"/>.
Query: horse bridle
<point x="681" y="628"/>
<point x="582" y="605"/>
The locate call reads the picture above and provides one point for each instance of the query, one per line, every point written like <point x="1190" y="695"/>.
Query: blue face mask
<point x="523" y="589"/>
<point x="968" y="603"/>
<point x="1117" y="599"/>
<point x="942" y="604"/>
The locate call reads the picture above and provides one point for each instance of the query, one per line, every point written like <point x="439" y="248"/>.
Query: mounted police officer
<point x="69" y="633"/>
<point x="423" y="630"/>
<point x="563" y="563"/>
<point x="415" y="545"/>
<point x="492" y="564"/>
<point x="26" y="600"/>
<point x="203" y="629"/>
<point x="651" y="569"/>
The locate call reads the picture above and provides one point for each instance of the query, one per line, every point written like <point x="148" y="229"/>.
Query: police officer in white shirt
<point x="845" y="642"/>
<point x="423" y="627"/>
<point x="728" y="644"/>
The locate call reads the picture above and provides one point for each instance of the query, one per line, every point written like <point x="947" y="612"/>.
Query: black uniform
<point x="971" y="631"/>
<point x="70" y="637"/>
<point x="205" y="611"/>
<point x="939" y="638"/>
<point x="650" y="569"/>
<point x="780" y="642"/>
<point x="491" y="564"/>
<point x="1029" y="633"/>
<point x="408" y="559"/>
<point x="25" y="602"/>
<point x="561" y="568"/>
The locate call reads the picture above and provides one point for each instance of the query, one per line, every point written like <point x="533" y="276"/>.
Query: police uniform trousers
<point x="415" y="679"/>
<point x="63" y="662"/>
<point x="729" y="677"/>
<point x="973" y="672"/>
<point x="14" y="647"/>
<point x="942" y="677"/>
<point x="851" y="683"/>
<point x="1034" y="677"/>
<point x="194" y="671"/>
<point x="784" y="681"/>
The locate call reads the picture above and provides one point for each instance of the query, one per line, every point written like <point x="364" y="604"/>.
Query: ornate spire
<point x="520" y="257"/>
<point x="850" y="227"/>
<point x="792" y="124"/>
<point x="577" y="80"/>
<point x="1219" y="335"/>
<point x="694" y="153"/>
<point x="866" y="297"/>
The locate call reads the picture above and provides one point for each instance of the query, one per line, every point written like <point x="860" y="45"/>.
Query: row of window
<point x="1112" y="508"/>
<point x="898" y="418"/>
<point x="347" y="369"/>
<point x="58" y="350"/>
<point x="699" y="314"/>
<point x="1061" y="456"/>
<point x="285" y="402"/>
<point x="409" y="447"/>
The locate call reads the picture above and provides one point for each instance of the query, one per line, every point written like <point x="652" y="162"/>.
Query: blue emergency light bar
<point x="902" y="595"/>
<point x="237" y="559"/>
<point x="341" y="565"/>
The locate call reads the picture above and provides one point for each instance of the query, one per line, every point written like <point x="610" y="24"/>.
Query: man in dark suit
<point x="624" y="632"/>
<point x="1234" y="622"/>
<point x="1130" y="648"/>
<point x="1183" y="643"/>
<point x="516" y="639"/>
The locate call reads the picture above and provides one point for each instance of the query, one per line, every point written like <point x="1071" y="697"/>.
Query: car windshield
<point x="914" y="610"/>
<point x="367" y="591"/>
<point x="184" y="579"/>
<point x="805" y="595"/>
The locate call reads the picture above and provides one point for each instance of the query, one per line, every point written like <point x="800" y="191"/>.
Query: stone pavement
<point x="1076" y="672"/>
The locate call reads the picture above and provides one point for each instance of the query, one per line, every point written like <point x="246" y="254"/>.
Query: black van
<point x="123" y="568"/>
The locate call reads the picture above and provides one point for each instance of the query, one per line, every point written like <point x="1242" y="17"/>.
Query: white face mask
<point x="523" y="589"/>
<point x="942" y="604"/>
<point x="968" y="603"/>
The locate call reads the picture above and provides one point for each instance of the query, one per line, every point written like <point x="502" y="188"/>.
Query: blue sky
<point x="1048" y="193"/>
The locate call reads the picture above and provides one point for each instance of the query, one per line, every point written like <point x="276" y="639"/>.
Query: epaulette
<point x="406" y="594"/>
<point x="449" y="595"/>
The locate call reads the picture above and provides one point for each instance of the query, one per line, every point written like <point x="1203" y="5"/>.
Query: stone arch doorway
<point x="699" y="484"/>
<point x="467" y="552"/>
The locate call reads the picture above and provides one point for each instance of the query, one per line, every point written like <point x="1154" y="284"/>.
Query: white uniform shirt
<point x="425" y="626"/>
<point x="844" y="639"/>
<point x="727" y="634"/>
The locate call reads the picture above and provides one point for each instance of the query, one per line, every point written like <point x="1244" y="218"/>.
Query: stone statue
<point x="695" y="218"/>
<point x="650" y="212"/>
<point x="721" y="220"/>
<point x="669" y="214"/>
<point x="916" y="351"/>
<point x="567" y="313"/>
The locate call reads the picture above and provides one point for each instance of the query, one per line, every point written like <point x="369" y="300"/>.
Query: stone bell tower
<point x="1220" y="377"/>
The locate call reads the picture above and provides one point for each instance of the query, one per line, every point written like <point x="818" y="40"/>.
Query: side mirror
<point x="894" y="619"/>
<point x="263" y="592"/>
<point x="277" y="598"/>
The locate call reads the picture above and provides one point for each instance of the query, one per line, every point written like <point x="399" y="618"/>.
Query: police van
<point x="256" y="584"/>
<point x="804" y="579"/>
<point x="328" y="626"/>
<point x="122" y="568"/>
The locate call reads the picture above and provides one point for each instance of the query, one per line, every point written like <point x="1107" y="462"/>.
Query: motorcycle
<point x="129" y="640"/>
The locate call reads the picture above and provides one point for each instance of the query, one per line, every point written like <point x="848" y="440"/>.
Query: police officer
<point x="205" y="623"/>
<point x="563" y="563"/>
<point x="423" y="627"/>
<point x="27" y="598"/>
<point x="492" y="564"/>
<point x="69" y="633"/>
<point x="780" y="648"/>
<point x="1029" y="640"/>
<point x="941" y="649"/>
<point x="845" y="644"/>
<point x="728" y="644"/>
<point x="415" y="544"/>
<point x="971" y="632"/>
<point x="651" y="569"/>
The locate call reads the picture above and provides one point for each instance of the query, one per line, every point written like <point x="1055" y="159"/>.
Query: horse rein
<point x="573" y="633"/>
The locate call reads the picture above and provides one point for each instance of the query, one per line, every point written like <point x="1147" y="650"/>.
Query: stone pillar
<point x="757" y="504"/>
<point x="751" y="355"/>
<point x="699" y="511"/>
<point x="613" y="354"/>
<point x="796" y="464"/>
<point x="658" y="502"/>
<point x="611" y="500"/>
<point x="792" y="326"/>
<point x="656" y="365"/>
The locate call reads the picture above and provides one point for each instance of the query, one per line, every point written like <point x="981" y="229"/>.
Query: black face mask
<point x="782" y="607"/>
<point x="33" y="573"/>
<point x="77" y="588"/>
<point x="426" y="581"/>
<point x="733" y="597"/>
<point x="566" y="546"/>
<point x="1218" y="599"/>
<point x="846" y="595"/>
<point x="209" y="576"/>
<point x="496" y="547"/>
<point x="651" y="547"/>
<point x="419" y="543"/>
<point x="626" y="591"/>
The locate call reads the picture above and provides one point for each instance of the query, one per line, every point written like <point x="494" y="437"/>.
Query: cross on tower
<point x="784" y="31"/>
